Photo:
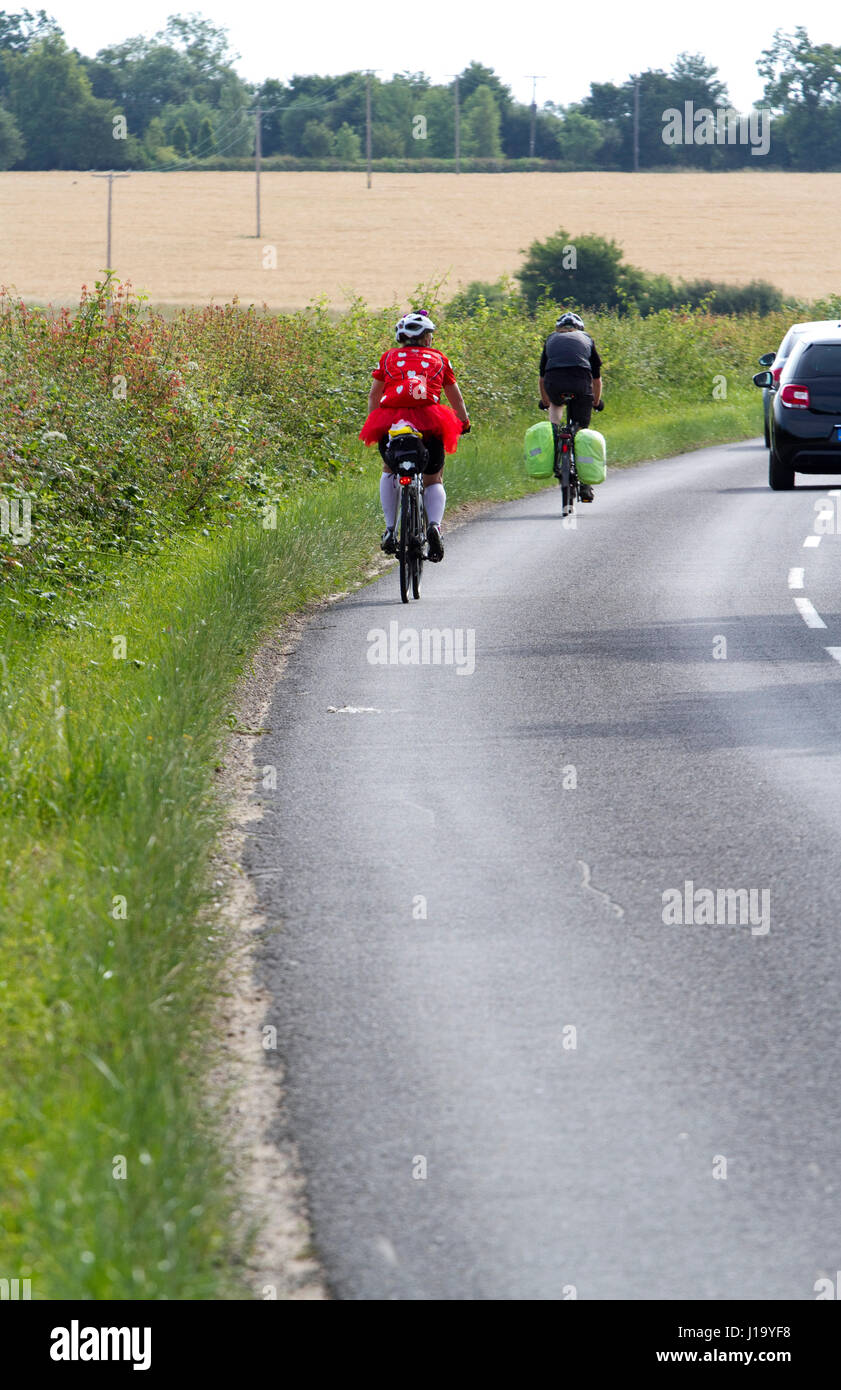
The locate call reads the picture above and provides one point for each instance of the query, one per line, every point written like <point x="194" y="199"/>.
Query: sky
<point x="567" y="46"/>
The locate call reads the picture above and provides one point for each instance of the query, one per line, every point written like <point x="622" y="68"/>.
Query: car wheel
<point x="780" y="477"/>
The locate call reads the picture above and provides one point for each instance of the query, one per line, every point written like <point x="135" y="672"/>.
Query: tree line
<point x="175" y="98"/>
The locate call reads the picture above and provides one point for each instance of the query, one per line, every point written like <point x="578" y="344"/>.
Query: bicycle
<point x="564" y="468"/>
<point x="406" y="457"/>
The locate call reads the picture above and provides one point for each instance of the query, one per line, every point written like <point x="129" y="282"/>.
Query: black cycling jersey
<point x="564" y="350"/>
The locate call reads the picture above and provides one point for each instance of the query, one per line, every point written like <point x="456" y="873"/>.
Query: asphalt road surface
<point x="525" y="1060"/>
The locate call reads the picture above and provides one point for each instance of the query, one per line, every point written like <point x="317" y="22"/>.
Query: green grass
<point x="107" y="794"/>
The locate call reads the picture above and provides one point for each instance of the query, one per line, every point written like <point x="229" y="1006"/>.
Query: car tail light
<point x="795" y="396"/>
<point x="775" y="372"/>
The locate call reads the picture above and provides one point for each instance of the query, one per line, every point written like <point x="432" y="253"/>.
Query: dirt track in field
<point x="188" y="237"/>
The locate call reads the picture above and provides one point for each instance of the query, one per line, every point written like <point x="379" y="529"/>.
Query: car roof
<point x="815" y="323"/>
<point x="815" y="326"/>
<point x="822" y="336"/>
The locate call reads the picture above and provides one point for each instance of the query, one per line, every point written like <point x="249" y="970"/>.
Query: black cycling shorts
<point x="434" y="448"/>
<point x="579" y="384"/>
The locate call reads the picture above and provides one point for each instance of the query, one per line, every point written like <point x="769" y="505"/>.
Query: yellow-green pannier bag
<point x="540" y="450"/>
<point x="590" y="456"/>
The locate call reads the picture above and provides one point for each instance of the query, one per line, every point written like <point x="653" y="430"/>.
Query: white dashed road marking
<point x="835" y="653"/>
<point x="809" y="613"/>
<point x="795" y="578"/>
<point x="812" y="540"/>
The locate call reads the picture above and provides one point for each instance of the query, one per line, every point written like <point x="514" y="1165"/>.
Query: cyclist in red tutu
<point x="407" y="385"/>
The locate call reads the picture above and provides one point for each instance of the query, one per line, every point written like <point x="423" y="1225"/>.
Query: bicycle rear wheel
<point x="404" y="544"/>
<point x="417" y="548"/>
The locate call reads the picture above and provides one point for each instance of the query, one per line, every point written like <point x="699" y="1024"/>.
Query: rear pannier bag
<point x="590" y="456"/>
<point x="539" y="450"/>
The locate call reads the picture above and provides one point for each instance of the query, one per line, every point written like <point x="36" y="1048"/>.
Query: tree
<point x="317" y="140"/>
<point x="188" y="60"/>
<point x="585" y="271"/>
<point x="347" y="145"/>
<point x="271" y="95"/>
<point x="691" y="79"/>
<point x="698" y="81"/>
<point x="476" y="75"/>
<point x="580" y="139"/>
<point x="387" y="142"/>
<point x="62" y="124"/>
<point x="439" y="108"/>
<point x="18" y="33"/>
<point x="800" y="73"/>
<point x="12" y="147"/>
<point x="301" y="110"/>
<point x="803" y="86"/>
<point x="234" y="128"/>
<point x="205" y="144"/>
<point x="181" y="139"/>
<point x="481" y="125"/>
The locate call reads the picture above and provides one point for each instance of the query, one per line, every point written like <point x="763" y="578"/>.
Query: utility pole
<point x="368" y="123"/>
<point x="535" y="78"/>
<point x="636" y="125"/>
<point x="110" y="176"/>
<point x="258" y="154"/>
<point x="458" y="122"/>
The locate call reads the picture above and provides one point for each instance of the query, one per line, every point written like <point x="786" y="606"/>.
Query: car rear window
<point x="819" y="360"/>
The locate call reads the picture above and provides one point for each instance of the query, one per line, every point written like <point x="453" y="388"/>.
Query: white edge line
<point x="809" y="613"/>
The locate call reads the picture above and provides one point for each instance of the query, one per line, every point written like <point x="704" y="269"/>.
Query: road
<point x="516" y="1069"/>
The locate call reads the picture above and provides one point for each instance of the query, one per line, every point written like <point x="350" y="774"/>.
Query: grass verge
<point x="115" y="1186"/>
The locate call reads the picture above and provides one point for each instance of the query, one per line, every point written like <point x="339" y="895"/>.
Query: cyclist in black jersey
<point x="570" y="363"/>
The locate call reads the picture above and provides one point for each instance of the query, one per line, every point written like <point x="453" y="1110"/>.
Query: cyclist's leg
<point x="581" y="410"/>
<point x="580" y="414"/>
<point x="388" y="496"/>
<point x="434" y="495"/>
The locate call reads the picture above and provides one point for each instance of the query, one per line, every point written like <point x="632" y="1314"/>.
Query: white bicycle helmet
<point x="413" y="326"/>
<point x="570" y="321"/>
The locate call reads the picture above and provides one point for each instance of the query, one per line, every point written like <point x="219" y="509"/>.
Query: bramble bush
<point x="125" y="428"/>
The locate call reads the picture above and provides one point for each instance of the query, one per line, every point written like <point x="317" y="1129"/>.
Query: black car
<point x="777" y="361"/>
<point x="805" y="417"/>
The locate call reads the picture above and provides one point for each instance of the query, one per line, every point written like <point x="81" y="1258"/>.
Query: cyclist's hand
<point x="600" y="406"/>
<point x="465" y="426"/>
<point x="543" y="405"/>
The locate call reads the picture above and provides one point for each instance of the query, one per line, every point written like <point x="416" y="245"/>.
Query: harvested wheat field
<point x="187" y="237"/>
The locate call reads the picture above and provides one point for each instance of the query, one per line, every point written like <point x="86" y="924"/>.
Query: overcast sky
<point x="570" y="45"/>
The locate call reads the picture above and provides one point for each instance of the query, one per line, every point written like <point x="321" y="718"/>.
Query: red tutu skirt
<point x="429" y="419"/>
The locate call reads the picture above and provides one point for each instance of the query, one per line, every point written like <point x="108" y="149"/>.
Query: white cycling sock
<point x="435" y="500"/>
<point x="388" y="497"/>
